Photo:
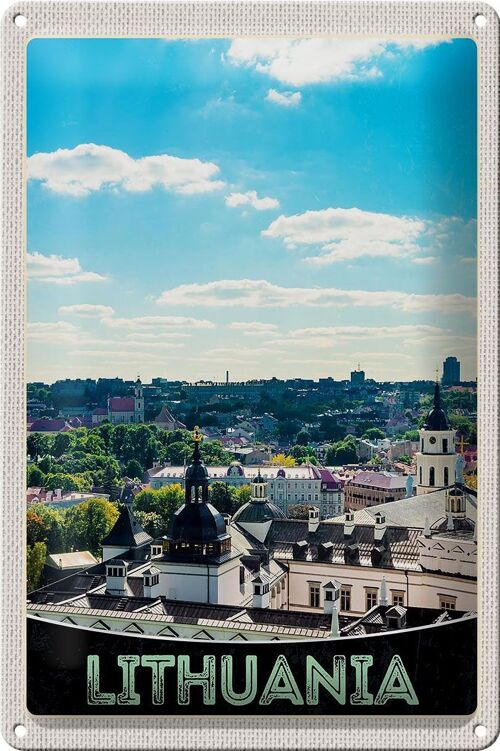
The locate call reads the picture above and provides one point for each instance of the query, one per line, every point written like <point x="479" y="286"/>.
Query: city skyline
<point x="281" y="208"/>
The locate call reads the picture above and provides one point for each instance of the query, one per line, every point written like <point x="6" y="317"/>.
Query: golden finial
<point x="462" y="444"/>
<point x="197" y="436"/>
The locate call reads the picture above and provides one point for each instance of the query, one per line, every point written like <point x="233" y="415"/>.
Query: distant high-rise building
<point x="451" y="372"/>
<point x="357" y="376"/>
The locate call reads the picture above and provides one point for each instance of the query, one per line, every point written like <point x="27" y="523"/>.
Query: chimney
<point x="260" y="597"/>
<point x="151" y="582"/>
<point x="380" y="526"/>
<point x="116" y="577"/>
<point x="349" y="523"/>
<point x="331" y="595"/>
<point x="382" y="600"/>
<point x="48" y="495"/>
<point x="58" y="494"/>
<point x="313" y="519"/>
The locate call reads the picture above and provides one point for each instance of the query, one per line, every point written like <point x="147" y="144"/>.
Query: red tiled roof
<point x="49" y="425"/>
<point x="122" y="404"/>
<point x="380" y="480"/>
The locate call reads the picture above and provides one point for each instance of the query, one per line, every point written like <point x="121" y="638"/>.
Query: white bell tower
<point x="138" y="401"/>
<point x="436" y="458"/>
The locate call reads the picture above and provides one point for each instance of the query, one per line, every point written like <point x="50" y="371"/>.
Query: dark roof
<point x="122" y="404"/>
<point x="258" y="478"/>
<point x="436" y="419"/>
<point x="127" y="532"/>
<point x="399" y="548"/>
<point x="196" y="522"/>
<point x="258" y="511"/>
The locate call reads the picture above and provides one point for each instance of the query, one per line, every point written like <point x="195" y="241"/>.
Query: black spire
<point x="196" y="480"/>
<point x="436" y="419"/>
<point x="197" y="530"/>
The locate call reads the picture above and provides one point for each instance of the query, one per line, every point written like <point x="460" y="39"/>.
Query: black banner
<point x="427" y="671"/>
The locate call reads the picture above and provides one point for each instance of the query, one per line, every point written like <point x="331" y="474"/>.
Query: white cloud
<point x="467" y="260"/>
<point x="57" y="270"/>
<point x="424" y="260"/>
<point x="345" y="234"/>
<point x="89" y="167"/>
<point x="299" y="62"/>
<point x="284" y="98"/>
<point x="254" y="328"/>
<point x="157" y="322"/>
<point x="259" y="293"/>
<point x="86" y="311"/>
<point x="368" y="332"/>
<point x="250" y="198"/>
<point x="53" y="332"/>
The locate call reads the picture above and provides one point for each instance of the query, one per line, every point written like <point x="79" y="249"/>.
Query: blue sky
<point x="271" y="207"/>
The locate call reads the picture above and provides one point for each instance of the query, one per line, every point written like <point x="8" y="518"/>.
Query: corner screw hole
<point x="20" y="731"/>
<point x="480" y="731"/>
<point x="480" y="20"/>
<point x="20" y="21"/>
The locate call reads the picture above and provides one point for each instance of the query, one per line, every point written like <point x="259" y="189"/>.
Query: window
<point x="422" y="447"/>
<point x="398" y="598"/>
<point x="371" y="598"/>
<point x="420" y="476"/>
<point x="445" y="445"/>
<point x="314" y="595"/>
<point x="432" y="479"/>
<point x="446" y="476"/>
<point x="345" y="598"/>
<point x="447" y="602"/>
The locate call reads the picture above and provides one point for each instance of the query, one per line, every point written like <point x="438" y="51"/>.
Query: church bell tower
<point x="436" y="458"/>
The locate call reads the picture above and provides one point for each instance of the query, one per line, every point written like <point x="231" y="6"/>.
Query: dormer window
<point x="151" y="580"/>
<point x="156" y="549"/>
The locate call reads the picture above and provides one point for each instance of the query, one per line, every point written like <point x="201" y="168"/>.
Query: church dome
<point x="196" y="471"/>
<point x="197" y="523"/>
<point x="258" y="512"/>
<point x="258" y="479"/>
<point x="436" y="419"/>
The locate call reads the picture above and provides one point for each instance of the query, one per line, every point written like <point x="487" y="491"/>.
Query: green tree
<point x="243" y="493"/>
<point x="330" y="429"/>
<point x="303" y="437"/>
<point x="35" y="476"/>
<point x="372" y="434"/>
<point x="36" y="529"/>
<point x="109" y="479"/>
<point x="88" y="523"/>
<point x="133" y="469"/>
<point x="342" y="452"/>
<point x="213" y="453"/>
<point x="411" y="435"/>
<point x="464" y="426"/>
<point x="164" y="501"/>
<point x="53" y="520"/>
<point x="151" y="522"/>
<point x="62" y="442"/>
<point x="224" y="497"/>
<point x="79" y="482"/>
<point x="178" y="452"/>
<point x="35" y="561"/>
